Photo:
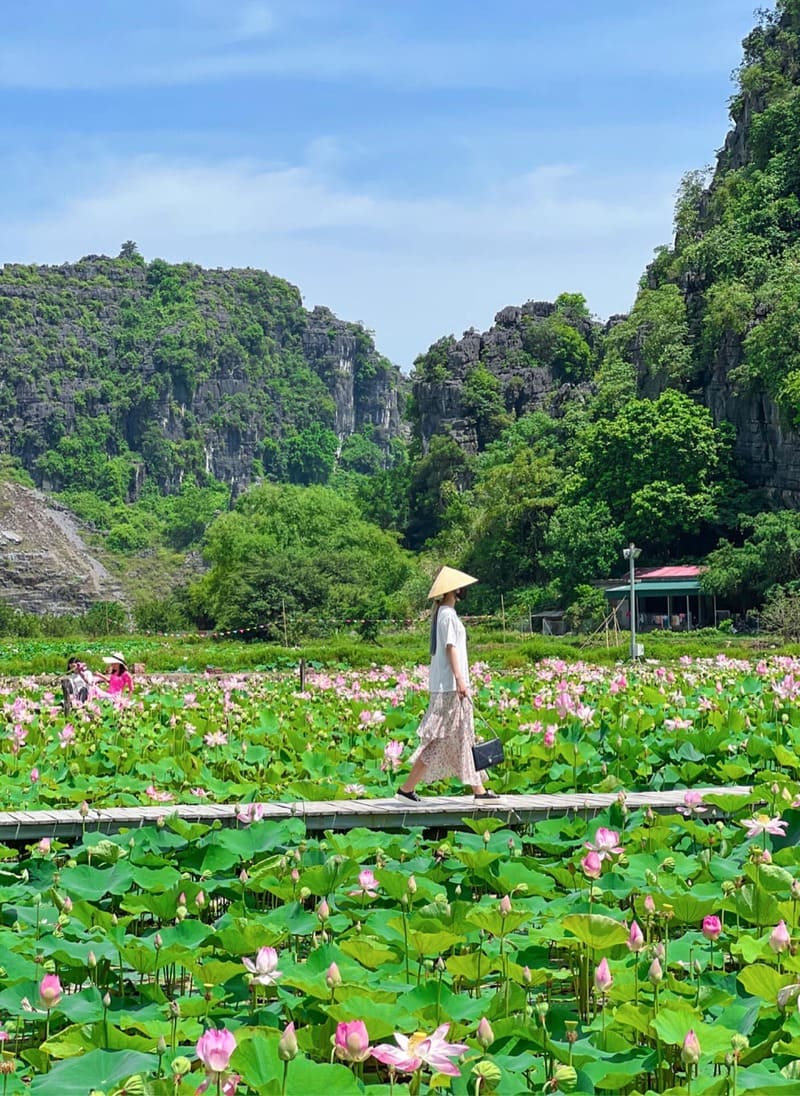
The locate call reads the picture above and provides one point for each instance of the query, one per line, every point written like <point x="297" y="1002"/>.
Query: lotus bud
<point x="412" y="884"/>
<point x="181" y="913"/>
<point x="487" y="837"/>
<point x="66" y="905"/>
<point x="158" y="941"/>
<point x="504" y="906"/>
<point x="323" y="910"/>
<point x="182" y="898"/>
<point x="795" y="889"/>
<point x="603" y="979"/>
<point x="650" y="877"/>
<point x="527" y="977"/>
<point x="779" y="939"/>
<point x="295" y="875"/>
<point x="712" y="928"/>
<point x="324" y="937"/>
<point x="439" y="965"/>
<point x="635" y="938"/>
<point x="485" y="1035"/>
<point x="200" y="899"/>
<point x="114" y="920"/>
<point x="690" y="1051"/>
<point x="655" y="974"/>
<point x="287" y="1044"/>
<point x="161" y="1046"/>
<point x="175" y="1009"/>
<point x="243" y="876"/>
<point x="91" y="959"/>
<point x="83" y="810"/>
<point x="458" y="890"/>
<point x="332" y="976"/>
<point x="106" y="999"/>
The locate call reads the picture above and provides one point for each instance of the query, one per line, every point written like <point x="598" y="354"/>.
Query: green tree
<point x="310" y="454"/>
<point x="658" y="467"/>
<point x="482" y="402"/>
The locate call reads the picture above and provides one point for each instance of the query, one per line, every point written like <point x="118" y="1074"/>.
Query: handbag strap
<point x="480" y="715"/>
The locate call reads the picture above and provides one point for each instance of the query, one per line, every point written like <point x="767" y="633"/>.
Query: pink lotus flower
<point x="692" y="804"/>
<point x="485" y="1035"/>
<point x="649" y="904"/>
<point x="712" y="928"/>
<point x="264" y="969"/>
<point x="251" y="812"/>
<point x="214" y="1049"/>
<point x="504" y="905"/>
<point x="635" y="938"/>
<point x="549" y="738"/>
<point x="66" y="735"/>
<point x="333" y="976"/>
<point x="690" y="1051"/>
<point x="762" y="823"/>
<point x="392" y="752"/>
<point x="351" y="1042"/>
<point x="592" y="865"/>
<point x="779" y="939"/>
<point x="602" y="976"/>
<point x="418" y="1050"/>
<point x="606" y="843"/>
<point x="367" y="884"/>
<point x="50" y="991"/>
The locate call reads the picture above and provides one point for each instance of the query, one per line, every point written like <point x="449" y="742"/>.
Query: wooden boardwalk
<point x="439" y="812"/>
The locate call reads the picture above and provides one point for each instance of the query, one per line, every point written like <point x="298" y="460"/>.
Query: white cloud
<point x="412" y="269"/>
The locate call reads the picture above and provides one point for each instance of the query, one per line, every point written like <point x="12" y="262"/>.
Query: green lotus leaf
<point x="97" y="1069"/>
<point x="595" y="930"/>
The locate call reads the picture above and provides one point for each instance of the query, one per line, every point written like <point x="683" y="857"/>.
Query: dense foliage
<point x="631" y="952"/>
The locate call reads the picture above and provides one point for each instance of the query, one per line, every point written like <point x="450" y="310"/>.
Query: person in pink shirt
<point x="119" y="678"/>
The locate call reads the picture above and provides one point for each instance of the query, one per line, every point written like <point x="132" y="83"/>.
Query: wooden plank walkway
<point x="433" y="812"/>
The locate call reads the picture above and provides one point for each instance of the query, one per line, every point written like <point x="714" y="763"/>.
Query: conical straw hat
<point x="449" y="579"/>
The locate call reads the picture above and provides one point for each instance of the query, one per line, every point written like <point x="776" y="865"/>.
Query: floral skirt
<point x="446" y="737"/>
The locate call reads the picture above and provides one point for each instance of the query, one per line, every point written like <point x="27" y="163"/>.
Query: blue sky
<point x="414" y="164"/>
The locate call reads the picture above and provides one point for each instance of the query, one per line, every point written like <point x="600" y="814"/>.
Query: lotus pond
<point x="629" y="953"/>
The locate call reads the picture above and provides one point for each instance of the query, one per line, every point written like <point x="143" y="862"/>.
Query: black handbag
<point x="487" y="754"/>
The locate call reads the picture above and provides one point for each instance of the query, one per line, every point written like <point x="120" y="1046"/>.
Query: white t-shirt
<point x="449" y="630"/>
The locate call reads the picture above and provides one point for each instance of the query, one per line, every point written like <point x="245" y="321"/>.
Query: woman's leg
<point x="417" y="773"/>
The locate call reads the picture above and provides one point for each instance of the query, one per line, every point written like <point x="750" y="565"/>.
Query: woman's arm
<point x="452" y="657"/>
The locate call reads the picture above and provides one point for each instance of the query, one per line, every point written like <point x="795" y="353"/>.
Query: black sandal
<point x="487" y="795"/>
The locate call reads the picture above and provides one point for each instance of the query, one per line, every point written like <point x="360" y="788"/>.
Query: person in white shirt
<point x="446" y="733"/>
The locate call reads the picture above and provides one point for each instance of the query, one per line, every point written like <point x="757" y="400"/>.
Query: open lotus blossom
<point x="606" y="843"/>
<point x="214" y="1049"/>
<point x="779" y="938"/>
<point x="367" y="884"/>
<point x="712" y="927"/>
<point x="415" y="1051"/>
<point x="264" y="969"/>
<point x="392" y="752"/>
<point x="251" y="812"/>
<point x="50" y="991"/>
<point x="351" y="1042"/>
<point x="762" y="823"/>
<point x="692" y="804"/>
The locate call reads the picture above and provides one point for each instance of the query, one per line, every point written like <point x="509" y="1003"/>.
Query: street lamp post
<point x="632" y="553"/>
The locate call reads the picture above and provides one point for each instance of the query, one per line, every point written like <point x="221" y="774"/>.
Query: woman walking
<point x="446" y="733"/>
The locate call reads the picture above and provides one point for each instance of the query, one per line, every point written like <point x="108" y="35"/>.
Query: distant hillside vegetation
<point x="115" y="371"/>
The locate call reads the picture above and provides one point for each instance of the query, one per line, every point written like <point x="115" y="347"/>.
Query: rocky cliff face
<point x="176" y="371"/>
<point x="522" y="354"/>
<point x="45" y="565"/>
